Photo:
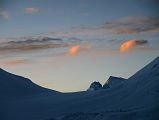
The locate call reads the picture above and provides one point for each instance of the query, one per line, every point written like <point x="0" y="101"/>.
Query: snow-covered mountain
<point x="13" y="86"/>
<point x="113" y="82"/>
<point x="137" y="98"/>
<point x="110" y="83"/>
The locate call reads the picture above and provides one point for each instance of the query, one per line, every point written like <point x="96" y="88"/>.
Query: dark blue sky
<point x="53" y="15"/>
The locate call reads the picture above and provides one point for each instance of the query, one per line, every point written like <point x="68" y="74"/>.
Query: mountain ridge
<point x="15" y="85"/>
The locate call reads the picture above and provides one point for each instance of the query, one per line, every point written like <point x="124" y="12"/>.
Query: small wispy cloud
<point x="127" y="25"/>
<point x="31" y="44"/>
<point x="131" y="44"/>
<point x="5" y="14"/>
<point x="32" y="10"/>
<point x="134" y="25"/>
<point x="15" y="61"/>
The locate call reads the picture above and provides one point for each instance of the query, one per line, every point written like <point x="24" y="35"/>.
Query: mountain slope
<point x="145" y="82"/>
<point x="113" y="82"/>
<point x="13" y="86"/>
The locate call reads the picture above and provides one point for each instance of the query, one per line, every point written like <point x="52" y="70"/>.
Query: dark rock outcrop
<point x="95" y="86"/>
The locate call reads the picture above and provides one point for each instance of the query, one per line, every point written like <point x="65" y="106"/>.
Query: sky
<point x="66" y="45"/>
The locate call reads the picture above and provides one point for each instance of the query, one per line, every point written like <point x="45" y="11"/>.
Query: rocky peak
<point x="95" y="86"/>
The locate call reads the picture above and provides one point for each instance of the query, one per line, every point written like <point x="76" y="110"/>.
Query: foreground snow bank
<point x="136" y="114"/>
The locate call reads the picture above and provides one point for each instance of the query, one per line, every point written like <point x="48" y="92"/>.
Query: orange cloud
<point x="74" y="50"/>
<point x="130" y="44"/>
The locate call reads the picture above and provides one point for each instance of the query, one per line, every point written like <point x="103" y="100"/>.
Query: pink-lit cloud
<point x="5" y="14"/>
<point x="32" y="10"/>
<point x="75" y="50"/>
<point x="15" y="61"/>
<point x="130" y="44"/>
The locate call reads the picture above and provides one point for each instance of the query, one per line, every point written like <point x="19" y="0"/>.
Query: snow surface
<point x="135" y="99"/>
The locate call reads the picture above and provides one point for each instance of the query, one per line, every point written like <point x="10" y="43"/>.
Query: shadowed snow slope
<point x="136" y="99"/>
<point x="13" y="86"/>
<point x="113" y="82"/>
